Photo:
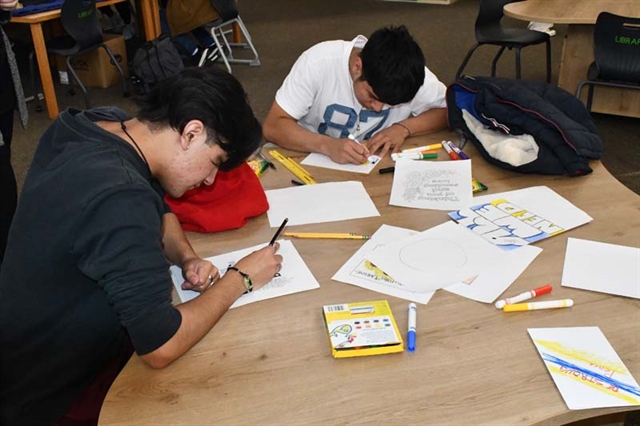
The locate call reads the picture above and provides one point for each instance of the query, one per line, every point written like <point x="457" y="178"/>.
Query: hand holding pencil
<point x="260" y="267"/>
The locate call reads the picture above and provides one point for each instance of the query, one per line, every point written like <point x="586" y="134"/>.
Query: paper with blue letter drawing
<point x="586" y="369"/>
<point x="517" y="218"/>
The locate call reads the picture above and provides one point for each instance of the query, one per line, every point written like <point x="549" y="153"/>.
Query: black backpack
<point x="156" y="60"/>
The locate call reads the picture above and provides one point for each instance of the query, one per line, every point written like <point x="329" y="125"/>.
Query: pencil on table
<point x="327" y="235"/>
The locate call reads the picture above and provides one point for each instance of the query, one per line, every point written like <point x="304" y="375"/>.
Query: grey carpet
<point x="282" y="29"/>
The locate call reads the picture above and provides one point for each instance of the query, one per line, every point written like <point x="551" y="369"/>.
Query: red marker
<point x="447" y="148"/>
<point x="524" y="296"/>
<point x="458" y="151"/>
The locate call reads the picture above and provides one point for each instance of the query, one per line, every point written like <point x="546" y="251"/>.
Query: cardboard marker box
<point x="95" y="68"/>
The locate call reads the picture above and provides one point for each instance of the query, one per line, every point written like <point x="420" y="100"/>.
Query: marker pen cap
<point x="411" y="341"/>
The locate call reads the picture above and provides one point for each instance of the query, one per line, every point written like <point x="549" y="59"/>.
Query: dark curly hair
<point x="393" y="64"/>
<point x="212" y="96"/>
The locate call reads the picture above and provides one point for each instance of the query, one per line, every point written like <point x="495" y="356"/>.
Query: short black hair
<point x="212" y="96"/>
<point x="393" y="64"/>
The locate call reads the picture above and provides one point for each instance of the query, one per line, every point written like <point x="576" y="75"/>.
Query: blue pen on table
<point x="458" y="151"/>
<point x="411" y="333"/>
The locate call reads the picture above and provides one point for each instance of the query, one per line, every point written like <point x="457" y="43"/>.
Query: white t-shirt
<point x="318" y="92"/>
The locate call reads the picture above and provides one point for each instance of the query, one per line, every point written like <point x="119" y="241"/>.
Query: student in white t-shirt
<point x="376" y="91"/>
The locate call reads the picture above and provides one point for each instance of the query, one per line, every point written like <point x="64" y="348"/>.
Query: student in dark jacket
<point x="86" y="278"/>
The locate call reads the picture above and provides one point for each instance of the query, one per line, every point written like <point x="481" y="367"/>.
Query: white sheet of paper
<point x="586" y="369"/>
<point x="495" y="279"/>
<point x="438" y="257"/>
<point x="359" y="271"/>
<point x="436" y="185"/>
<point x="321" y="160"/>
<point x="320" y="203"/>
<point x="522" y="217"/>
<point x="294" y="276"/>
<point x="602" y="267"/>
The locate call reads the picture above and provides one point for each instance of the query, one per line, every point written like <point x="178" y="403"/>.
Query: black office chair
<point x="229" y="15"/>
<point x="616" y="53"/>
<point x="84" y="34"/>
<point x="489" y="31"/>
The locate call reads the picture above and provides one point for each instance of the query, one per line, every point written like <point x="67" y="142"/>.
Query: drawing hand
<point x="345" y="151"/>
<point x="261" y="265"/>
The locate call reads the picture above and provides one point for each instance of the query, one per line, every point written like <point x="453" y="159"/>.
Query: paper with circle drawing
<point x="486" y="287"/>
<point x="496" y="278"/>
<point x="584" y="366"/>
<point x="320" y="203"/>
<point x="294" y="276"/>
<point x="516" y="218"/>
<point x="435" y="185"/>
<point x="606" y="268"/>
<point x="359" y="271"/>
<point x="321" y="160"/>
<point x="443" y="255"/>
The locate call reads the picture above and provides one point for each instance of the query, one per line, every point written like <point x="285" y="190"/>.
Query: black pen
<point x="386" y="170"/>
<point x="297" y="182"/>
<point x="279" y="231"/>
<point x="264" y="157"/>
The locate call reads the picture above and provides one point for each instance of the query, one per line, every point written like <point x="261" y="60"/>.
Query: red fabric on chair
<point x="234" y="198"/>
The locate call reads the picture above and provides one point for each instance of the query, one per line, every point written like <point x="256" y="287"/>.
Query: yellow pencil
<point x="293" y="167"/>
<point x="334" y="235"/>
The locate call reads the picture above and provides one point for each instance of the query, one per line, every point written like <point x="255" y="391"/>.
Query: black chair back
<point x="490" y="13"/>
<point x="80" y="20"/>
<point x="616" y="42"/>
<point x="227" y="9"/>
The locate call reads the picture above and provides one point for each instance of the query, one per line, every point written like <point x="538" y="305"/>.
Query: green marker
<point x="413" y="156"/>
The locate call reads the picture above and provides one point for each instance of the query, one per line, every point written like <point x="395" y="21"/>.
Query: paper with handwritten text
<point x="436" y="185"/>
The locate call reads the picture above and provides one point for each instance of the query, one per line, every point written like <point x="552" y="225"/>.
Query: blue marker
<point x="411" y="334"/>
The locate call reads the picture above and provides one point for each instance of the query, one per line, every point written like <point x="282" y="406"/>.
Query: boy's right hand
<point x="345" y="151"/>
<point x="261" y="265"/>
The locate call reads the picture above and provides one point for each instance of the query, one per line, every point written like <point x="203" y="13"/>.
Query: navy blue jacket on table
<point x="562" y="127"/>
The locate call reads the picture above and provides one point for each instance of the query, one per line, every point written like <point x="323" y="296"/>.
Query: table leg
<point x="45" y="72"/>
<point x="237" y="34"/>
<point x="150" y="18"/>
<point x="577" y="55"/>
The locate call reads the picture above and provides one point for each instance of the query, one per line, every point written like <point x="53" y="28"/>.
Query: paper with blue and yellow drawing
<point x="586" y="369"/>
<point x="517" y="218"/>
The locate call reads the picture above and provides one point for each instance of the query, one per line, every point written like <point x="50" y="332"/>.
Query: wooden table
<point x="150" y="19"/>
<point x="577" y="51"/>
<point x="270" y="362"/>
